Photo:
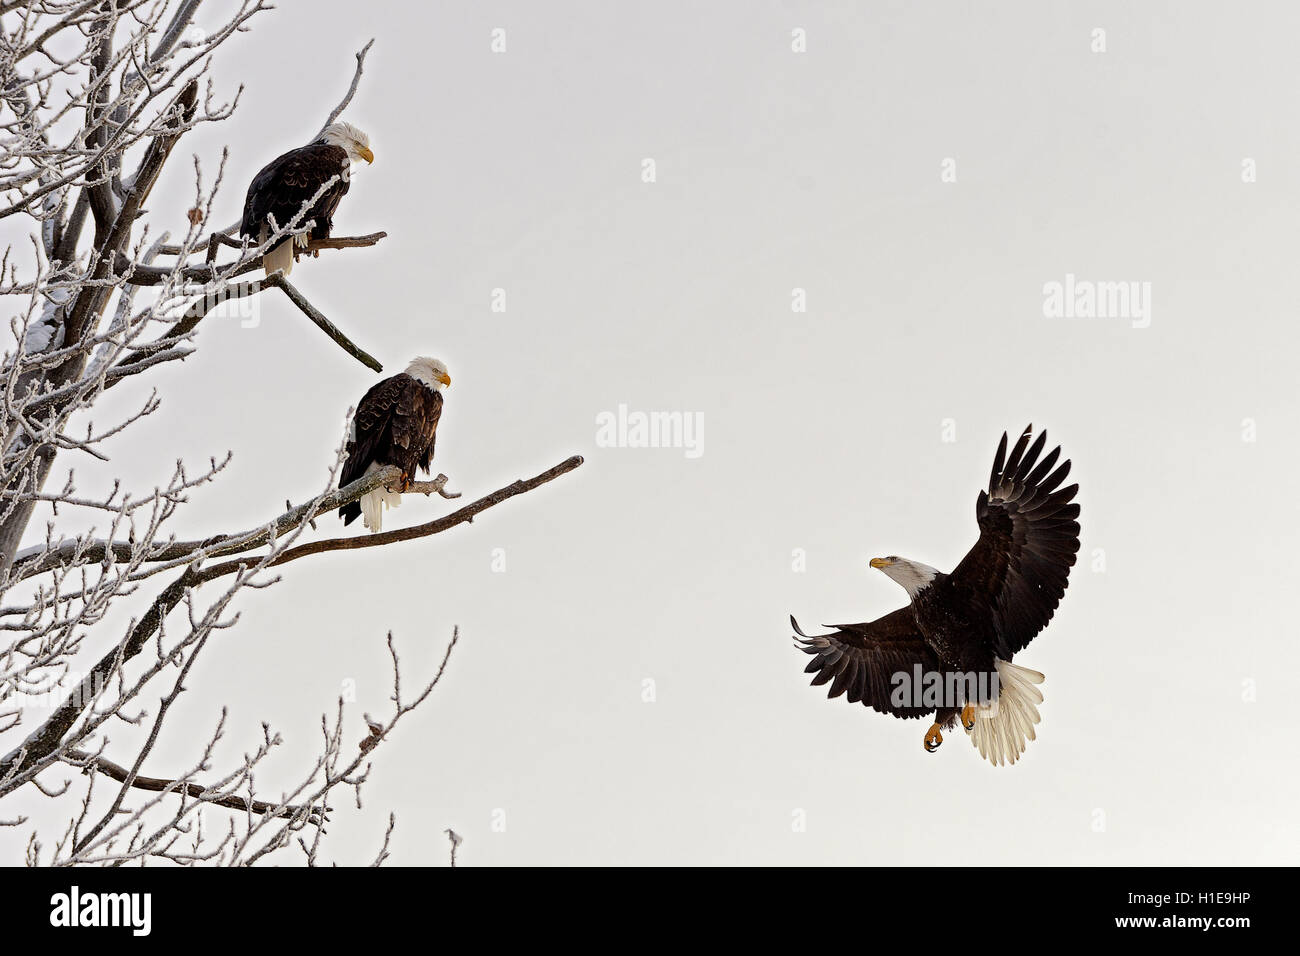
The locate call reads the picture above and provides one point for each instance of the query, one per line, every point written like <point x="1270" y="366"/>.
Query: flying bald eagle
<point x="949" y="652"/>
<point x="288" y="182"/>
<point x="395" y="424"/>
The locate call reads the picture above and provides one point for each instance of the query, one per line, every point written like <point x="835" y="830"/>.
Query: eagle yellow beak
<point x="445" y="378"/>
<point x="365" y="153"/>
<point x="880" y="563"/>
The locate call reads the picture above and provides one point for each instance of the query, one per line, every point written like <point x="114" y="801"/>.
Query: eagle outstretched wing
<point x="1029" y="537"/>
<point x="860" y="660"/>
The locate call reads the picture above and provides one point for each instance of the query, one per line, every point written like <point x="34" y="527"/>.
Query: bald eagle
<point x="395" y="424"/>
<point x="949" y="652"/>
<point x="289" y="181"/>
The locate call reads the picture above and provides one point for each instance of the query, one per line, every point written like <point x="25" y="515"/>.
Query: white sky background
<point x="822" y="430"/>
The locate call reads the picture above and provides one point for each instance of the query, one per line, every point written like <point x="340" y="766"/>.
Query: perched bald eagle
<point x="288" y="182"/>
<point x="395" y="424"/>
<point x="949" y="652"/>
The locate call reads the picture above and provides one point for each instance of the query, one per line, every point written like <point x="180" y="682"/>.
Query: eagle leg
<point x="933" y="738"/>
<point x="968" y="717"/>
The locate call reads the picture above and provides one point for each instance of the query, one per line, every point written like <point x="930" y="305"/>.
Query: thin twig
<point x="352" y="90"/>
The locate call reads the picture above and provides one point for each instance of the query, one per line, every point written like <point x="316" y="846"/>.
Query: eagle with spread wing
<point x="948" y="653"/>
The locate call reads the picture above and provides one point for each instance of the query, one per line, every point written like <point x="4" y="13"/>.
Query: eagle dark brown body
<point x="396" y="424"/>
<point x="283" y="185"/>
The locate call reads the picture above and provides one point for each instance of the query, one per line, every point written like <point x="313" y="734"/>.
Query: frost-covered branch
<point x="106" y="614"/>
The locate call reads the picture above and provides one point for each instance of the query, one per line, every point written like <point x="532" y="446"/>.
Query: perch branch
<point x="212" y="271"/>
<point x="38" y="558"/>
<point x="382" y="538"/>
<point x="436" y="486"/>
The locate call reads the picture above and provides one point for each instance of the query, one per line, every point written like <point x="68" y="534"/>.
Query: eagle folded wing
<point x="1029" y="537"/>
<point x="289" y="181"/>
<point x="415" y="423"/>
<point x="371" y="424"/>
<point x="860" y="660"/>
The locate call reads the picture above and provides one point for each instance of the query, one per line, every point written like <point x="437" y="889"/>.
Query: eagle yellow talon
<point x="968" y="717"/>
<point x="933" y="738"/>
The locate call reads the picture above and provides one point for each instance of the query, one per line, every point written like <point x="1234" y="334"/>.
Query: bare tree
<point x="96" y="96"/>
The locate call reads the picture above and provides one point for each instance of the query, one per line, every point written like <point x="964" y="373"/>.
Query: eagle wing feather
<point x="1029" y="540"/>
<point x="859" y="660"/>
<point x="415" y="427"/>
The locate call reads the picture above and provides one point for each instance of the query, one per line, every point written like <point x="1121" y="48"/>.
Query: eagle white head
<point x="914" y="576"/>
<point x="348" y="137"/>
<point x="430" y="371"/>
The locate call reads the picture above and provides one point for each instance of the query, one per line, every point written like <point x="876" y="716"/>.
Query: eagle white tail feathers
<point x="1004" y="728"/>
<point x="281" y="257"/>
<point x="372" y="503"/>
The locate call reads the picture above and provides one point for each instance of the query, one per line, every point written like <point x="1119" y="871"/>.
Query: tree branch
<point x="278" y="281"/>
<point x="464" y="515"/>
<point x="91" y="300"/>
<point x="89" y="762"/>
<point x="154" y="275"/>
<point x="93" y="127"/>
<point x="213" y="272"/>
<point x="20" y="765"/>
<point x="41" y="558"/>
<point x="352" y="90"/>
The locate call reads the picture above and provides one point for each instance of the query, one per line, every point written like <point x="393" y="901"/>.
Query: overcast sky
<point x="1165" y="734"/>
